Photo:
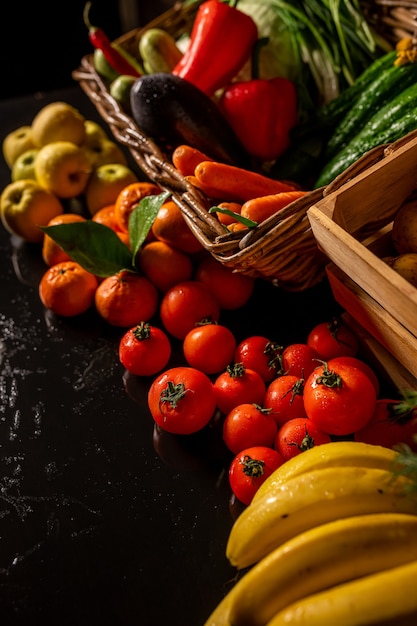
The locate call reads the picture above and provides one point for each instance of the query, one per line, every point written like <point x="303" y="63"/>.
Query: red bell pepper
<point x="261" y="113"/>
<point x="222" y="39"/>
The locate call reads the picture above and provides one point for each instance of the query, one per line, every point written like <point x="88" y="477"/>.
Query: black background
<point x="42" y="41"/>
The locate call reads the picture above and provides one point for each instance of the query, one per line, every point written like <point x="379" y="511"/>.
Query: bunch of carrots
<point x="247" y="198"/>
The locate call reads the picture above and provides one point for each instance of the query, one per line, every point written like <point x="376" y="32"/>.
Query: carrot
<point x="225" y="218"/>
<point x="235" y="227"/>
<point x="235" y="183"/>
<point x="186" y="158"/>
<point x="258" y="209"/>
<point x="211" y="192"/>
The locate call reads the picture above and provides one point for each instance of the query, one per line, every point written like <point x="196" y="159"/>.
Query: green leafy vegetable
<point x="323" y="45"/>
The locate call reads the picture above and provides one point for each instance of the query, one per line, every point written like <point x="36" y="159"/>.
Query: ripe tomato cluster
<point x="274" y="401"/>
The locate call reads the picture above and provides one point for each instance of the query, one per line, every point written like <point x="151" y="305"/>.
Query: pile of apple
<point x="59" y="157"/>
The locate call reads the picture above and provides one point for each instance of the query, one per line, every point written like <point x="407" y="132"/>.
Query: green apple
<point x="120" y="90"/>
<point x="24" y="206"/>
<point x="16" y="142"/>
<point x="58" y="121"/>
<point x="63" y="168"/>
<point x="24" y="166"/>
<point x="105" y="184"/>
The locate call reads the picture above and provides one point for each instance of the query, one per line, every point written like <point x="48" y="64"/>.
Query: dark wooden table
<point x="98" y="523"/>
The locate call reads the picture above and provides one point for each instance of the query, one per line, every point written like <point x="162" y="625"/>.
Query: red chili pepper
<point x="221" y="42"/>
<point x="113" y="56"/>
<point x="261" y="113"/>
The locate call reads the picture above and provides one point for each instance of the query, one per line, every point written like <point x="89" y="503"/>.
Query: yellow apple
<point x="24" y="166"/>
<point x="58" y="121"/>
<point x="17" y="142"/>
<point x="25" y="205"/>
<point x="63" y="168"/>
<point x="93" y="132"/>
<point x="105" y="184"/>
<point x="105" y="152"/>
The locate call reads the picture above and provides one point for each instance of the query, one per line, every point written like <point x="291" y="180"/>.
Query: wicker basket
<point x="281" y="249"/>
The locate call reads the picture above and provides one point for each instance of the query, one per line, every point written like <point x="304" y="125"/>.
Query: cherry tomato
<point x="248" y="425"/>
<point x="238" y="385"/>
<point x="260" y="354"/>
<point x="339" y="401"/>
<point x="185" y="305"/>
<point x="351" y="360"/>
<point x="299" y="359"/>
<point x="209" y="347"/>
<point x="331" y="339"/>
<point x="144" y="350"/>
<point x="181" y="400"/>
<point x="250" y="468"/>
<point x="392" y="423"/>
<point x="297" y="435"/>
<point x="285" y="397"/>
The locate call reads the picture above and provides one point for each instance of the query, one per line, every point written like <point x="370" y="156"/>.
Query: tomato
<point x="181" y="400"/>
<point x="299" y="359"/>
<point x="331" y="339"/>
<point x="231" y="289"/>
<point x="351" y="360"/>
<point x="144" y="350"/>
<point x="260" y="354"/>
<point x="248" y="425"/>
<point x="209" y="347"/>
<point x="185" y="305"/>
<point x="392" y="423"/>
<point x="285" y="397"/>
<point x="250" y="468"/>
<point x="339" y="401"/>
<point x="238" y="385"/>
<point x="297" y="435"/>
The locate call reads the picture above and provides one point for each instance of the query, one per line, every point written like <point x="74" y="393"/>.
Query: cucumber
<point x="331" y="113"/>
<point x="383" y="89"/>
<point x="394" y="120"/>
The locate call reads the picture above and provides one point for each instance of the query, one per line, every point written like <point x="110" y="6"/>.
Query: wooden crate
<point x="352" y="226"/>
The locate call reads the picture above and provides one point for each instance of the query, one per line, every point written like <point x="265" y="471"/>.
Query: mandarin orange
<point x="164" y="265"/>
<point x="128" y="199"/>
<point x="52" y="253"/>
<point x="67" y="289"/>
<point x="170" y="226"/>
<point x="126" y="299"/>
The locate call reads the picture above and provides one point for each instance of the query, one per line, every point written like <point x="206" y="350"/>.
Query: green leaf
<point x="239" y="218"/>
<point x="142" y="218"/>
<point x="94" y="246"/>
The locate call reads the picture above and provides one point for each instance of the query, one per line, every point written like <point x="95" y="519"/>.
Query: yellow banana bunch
<point x="315" y="560"/>
<point x="324" y="537"/>
<point x="386" y="598"/>
<point x="335" y="454"/>
<point x="314" y="498"/>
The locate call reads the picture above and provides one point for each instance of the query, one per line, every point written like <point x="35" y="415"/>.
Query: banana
<point x="311" y="499"/>
<point x="383" y="598"/>
<point x="334" y="454"/>
<point x="317" y="559"/>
